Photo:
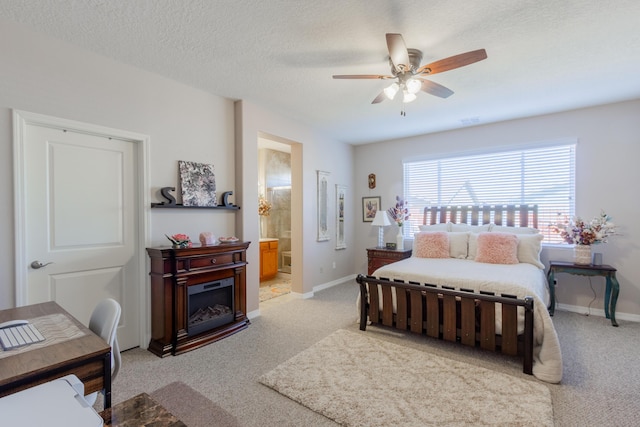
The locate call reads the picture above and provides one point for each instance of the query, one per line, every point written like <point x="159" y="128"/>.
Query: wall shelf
<point x="171" y="201"/>
<point x="177" y="206"/>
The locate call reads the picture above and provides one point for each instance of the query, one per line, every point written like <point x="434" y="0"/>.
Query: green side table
<point x="609" y="273"/>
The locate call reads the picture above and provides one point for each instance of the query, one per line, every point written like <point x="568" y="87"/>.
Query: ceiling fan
<point x="408" y="74"/>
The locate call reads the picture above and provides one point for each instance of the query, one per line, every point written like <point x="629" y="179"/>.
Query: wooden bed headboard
<point x="506" y="215"/>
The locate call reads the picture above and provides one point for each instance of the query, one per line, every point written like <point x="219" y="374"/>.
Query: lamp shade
<point x="381" y="219"/>
<point x="391" y="90"/>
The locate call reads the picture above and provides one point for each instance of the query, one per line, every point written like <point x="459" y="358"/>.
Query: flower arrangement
<point x="264" y="207"/>
<point x="180" y="241"/>
<point x="399" y="213"/>
<point x="580" y="232"/>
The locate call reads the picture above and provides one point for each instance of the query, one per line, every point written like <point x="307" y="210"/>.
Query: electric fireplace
<point x="209" y="305"/>
<point x="198" y="296"/>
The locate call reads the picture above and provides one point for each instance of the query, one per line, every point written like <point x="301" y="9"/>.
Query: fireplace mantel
<point x="172" y="272"/>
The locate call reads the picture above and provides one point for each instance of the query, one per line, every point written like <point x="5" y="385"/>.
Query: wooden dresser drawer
<point x="378" y="257"/>
<point x="199" y="263"/>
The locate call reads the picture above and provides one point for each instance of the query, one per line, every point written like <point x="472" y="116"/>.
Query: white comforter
<point x="516" y="279"/>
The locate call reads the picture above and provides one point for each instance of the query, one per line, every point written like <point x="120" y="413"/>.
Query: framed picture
<point x="370" y="206"/>
<point x="198" y="183"/>
<point x="323" y="203"/>
<point x="340" y="199"/>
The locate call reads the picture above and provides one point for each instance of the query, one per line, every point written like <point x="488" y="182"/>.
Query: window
<point x="542" y="175"/>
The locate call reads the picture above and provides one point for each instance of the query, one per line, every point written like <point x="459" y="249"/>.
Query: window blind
<point x="544" y="176"/>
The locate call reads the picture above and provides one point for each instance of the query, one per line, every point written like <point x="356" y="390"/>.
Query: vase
<point x="263" y="226"/>
<point x="400" y="240"/>
<point x="582" y="254"/>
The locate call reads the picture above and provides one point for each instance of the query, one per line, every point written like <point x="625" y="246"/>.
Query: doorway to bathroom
<point x="274" y="214"/>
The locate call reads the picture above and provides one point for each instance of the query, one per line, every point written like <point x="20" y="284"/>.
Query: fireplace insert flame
<point x="210" y="305"/>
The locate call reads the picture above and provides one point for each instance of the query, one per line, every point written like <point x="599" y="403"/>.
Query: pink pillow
<point x="497" y="248"/>
<point x="431" y="244"/>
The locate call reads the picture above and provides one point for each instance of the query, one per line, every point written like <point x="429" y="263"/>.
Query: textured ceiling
<point x="544" y="56"/>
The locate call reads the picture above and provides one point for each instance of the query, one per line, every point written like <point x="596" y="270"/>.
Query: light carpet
<point x="357" y="380"/>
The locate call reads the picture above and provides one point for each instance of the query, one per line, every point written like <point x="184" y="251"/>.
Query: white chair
<point x="104" y="322"/>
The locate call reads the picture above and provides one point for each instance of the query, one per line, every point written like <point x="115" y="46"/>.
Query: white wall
<point x="43" y="75"/>
<point x="46" y="76"/>
<point x="312" y="261"/>
<point x="607" y="176"/>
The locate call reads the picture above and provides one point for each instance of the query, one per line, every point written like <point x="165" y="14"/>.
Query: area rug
<point x="357" y="380"/>
<point x="191" y="407"/>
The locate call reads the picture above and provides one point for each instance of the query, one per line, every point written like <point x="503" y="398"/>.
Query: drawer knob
<point x="213" y="260"/>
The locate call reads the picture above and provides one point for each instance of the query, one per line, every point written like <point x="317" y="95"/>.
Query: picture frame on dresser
<point x="370" y="206"/>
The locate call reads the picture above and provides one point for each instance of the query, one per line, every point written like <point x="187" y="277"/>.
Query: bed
<point x="474" y="277"/>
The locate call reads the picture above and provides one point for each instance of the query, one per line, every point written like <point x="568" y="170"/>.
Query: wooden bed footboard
<point x="451" y="315"/>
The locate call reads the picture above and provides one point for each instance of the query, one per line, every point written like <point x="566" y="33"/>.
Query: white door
<point x="80" y="223"/>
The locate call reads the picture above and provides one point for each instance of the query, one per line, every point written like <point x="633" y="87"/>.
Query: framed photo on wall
<point x="370" y="206"/>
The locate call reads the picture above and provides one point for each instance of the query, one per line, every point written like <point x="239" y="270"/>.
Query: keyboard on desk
<point x="17" y="336"/>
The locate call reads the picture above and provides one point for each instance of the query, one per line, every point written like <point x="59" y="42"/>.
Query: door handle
<point x="37" y="264"/>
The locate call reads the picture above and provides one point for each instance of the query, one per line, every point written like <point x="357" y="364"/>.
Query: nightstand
<point x="381" y="256"/>
<point x="609" y="273"/>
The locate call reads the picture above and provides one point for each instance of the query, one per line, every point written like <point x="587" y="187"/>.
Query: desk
<point x="86" y="355"/>
<point x="609" y="273"/>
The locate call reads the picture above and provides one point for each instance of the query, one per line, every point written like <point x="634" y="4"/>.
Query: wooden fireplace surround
<point x="172" y="272"/>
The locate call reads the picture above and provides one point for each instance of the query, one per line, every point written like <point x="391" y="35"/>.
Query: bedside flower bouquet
<point x="399" y="213"/>
<point x="583" y="234"/>
<point x="180" y="241"/>
<point x="580" y="232"/>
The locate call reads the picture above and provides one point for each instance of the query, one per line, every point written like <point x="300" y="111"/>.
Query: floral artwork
<point x="198" y="184"/>
<point x="370" y="206"/>
<point x="399" y="213"/>
<point x="580" y="232"/>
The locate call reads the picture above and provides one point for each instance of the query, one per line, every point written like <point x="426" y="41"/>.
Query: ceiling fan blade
<point x="378" y="99"/>
<point x="361" y="76"/>
<point x="435" y="89"/>
<point x="398" y="52"/>
<point x="453" y="62"/>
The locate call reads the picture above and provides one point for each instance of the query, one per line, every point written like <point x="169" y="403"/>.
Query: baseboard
<point x="255" y="313"/>
<point x="597" y="312"/>
<point x="327" y="285"/>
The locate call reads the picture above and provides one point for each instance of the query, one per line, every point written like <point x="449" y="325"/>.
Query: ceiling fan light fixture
<point x="408" y="97"/>
<point x="391" y="90"/>
<point x="413" y="86"/>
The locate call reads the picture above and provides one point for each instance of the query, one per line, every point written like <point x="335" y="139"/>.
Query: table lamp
<point x="381" y="220"/>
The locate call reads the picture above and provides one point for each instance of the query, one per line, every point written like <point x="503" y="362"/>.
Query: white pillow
<point x="435" y="227"/>
<point x="458" y="243"/>
<point x="467" y="227"/>
<point x="514" y="230"/>
<point x="529" y="248"/>
<point x="472" y="249"/>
